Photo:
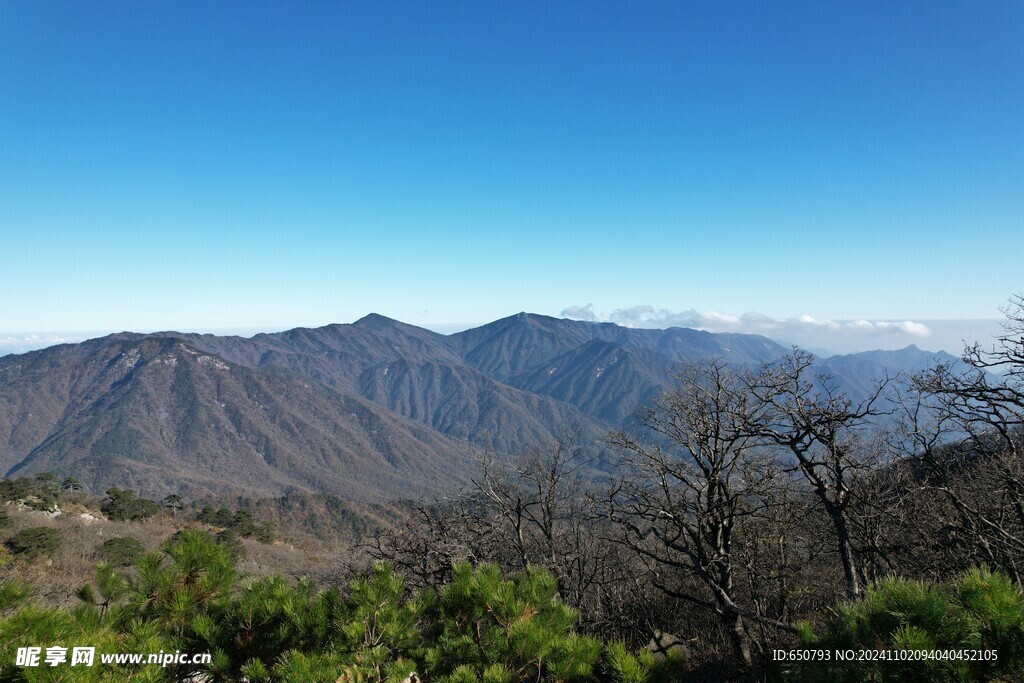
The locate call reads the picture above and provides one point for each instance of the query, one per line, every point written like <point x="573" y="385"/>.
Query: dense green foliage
<point x="38" y="493"/>
<point x="16" y="489"/>
<point x="33" y="542"/>
<point x="978" y="611"/>
<point x="480" y="627"/>
<point x="240" y="522"/>
<point x="71" y="484"/>
<point x="125" y="505"/>
<point x="229" y="541"/>
<point x="122" y="551"/>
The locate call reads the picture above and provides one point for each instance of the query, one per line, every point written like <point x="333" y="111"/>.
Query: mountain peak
<point x="372" y="320"/>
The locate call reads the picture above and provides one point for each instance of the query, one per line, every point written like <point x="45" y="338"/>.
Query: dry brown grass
<point x="83" y="529"/>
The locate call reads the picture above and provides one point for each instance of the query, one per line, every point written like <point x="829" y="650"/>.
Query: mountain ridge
<point x="369" y="410"/>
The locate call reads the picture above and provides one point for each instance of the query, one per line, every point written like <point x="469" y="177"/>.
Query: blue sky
<point x="213" y="165"/>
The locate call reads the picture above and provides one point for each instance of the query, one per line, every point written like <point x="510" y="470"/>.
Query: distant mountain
<point x="463" y="403"/>
<point x="373" y="410"/>
<point x="415" y="373"/>
<point x="856" y="373"/>
<point x="601" y="378"/>
<point x="510" y="346"/>
<point x="606" y="370"/>
<point x="156" y="414"/>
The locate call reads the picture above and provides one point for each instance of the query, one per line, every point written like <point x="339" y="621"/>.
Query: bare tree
<point x="828" y="437"/>
<point x="984" y="395"/>
<point x="692" y="474"/>
<point x="536" y="494"/>
<point x="436" y="536"/>
<point x="533" y="509"/>
<point x="541" y="507"/>
<point x="968" y="422"/>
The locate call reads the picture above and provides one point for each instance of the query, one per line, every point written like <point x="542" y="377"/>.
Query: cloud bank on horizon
<point x="20" y="343"/>
<point x="839" y="336"/>
<point x="823" y="337"/>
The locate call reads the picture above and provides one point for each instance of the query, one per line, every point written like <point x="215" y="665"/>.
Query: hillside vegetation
<point x="372" y="411"/>
<point x="746" y="509"/>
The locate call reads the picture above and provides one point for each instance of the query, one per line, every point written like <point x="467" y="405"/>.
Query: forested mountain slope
<point x="372" y="410"/>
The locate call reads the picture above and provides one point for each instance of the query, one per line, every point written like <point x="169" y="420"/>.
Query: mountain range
<point x="372" y="410"/>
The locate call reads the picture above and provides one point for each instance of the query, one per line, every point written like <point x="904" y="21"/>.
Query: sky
<point x="849" y="171"/>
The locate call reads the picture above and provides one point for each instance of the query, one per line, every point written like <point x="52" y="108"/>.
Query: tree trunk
<point x="740" y="639"/>
<point x="853" y="587"/>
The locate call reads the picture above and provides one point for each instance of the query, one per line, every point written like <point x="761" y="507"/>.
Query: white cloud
<point x="580" y="313"/>
<point x="758" y="323"/>
<point x="803" y="329"/>
<point x="30" y="342"/>
<point x="906" y="327"/>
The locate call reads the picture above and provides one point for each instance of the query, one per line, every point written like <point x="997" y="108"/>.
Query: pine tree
<point x="71" y="484"/>
<point x="173" y="503"/>
<point x="979" y="610"/>
<point x="483" y="620"/>
<point x="32" y="542"/>
<point x="193" y="575"/>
